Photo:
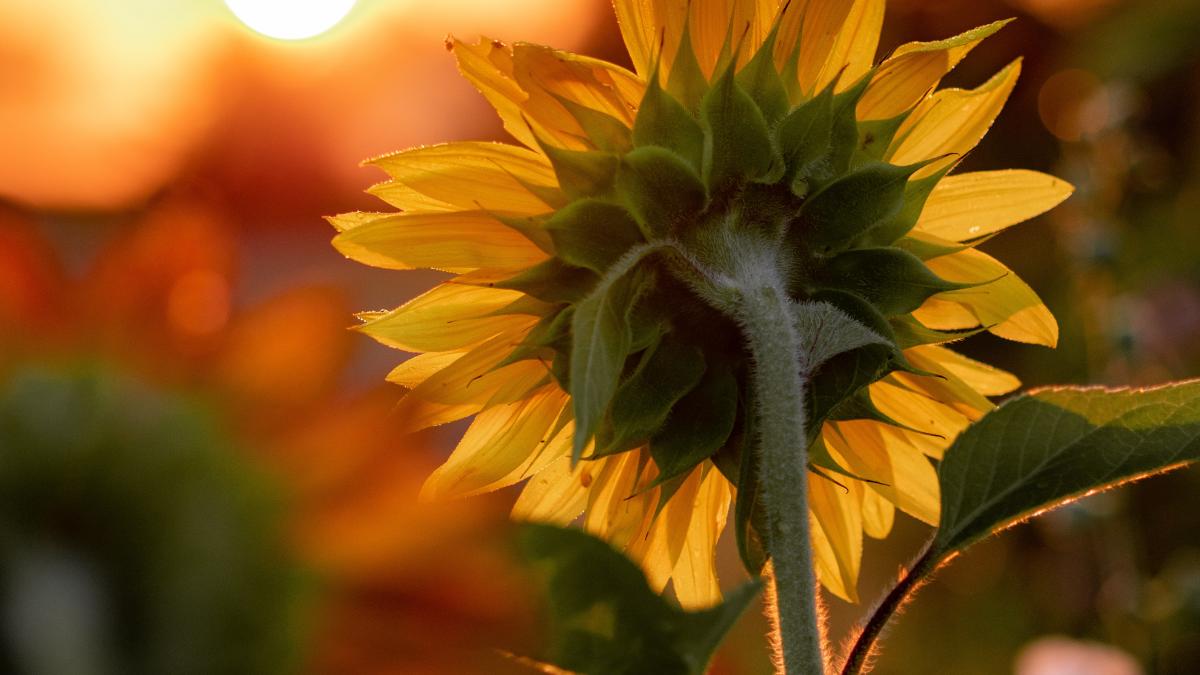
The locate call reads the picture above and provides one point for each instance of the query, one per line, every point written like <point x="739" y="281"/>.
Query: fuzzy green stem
<point x="780" y="419"/>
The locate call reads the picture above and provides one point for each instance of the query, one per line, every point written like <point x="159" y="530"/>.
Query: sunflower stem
<point x="779" y="387"/>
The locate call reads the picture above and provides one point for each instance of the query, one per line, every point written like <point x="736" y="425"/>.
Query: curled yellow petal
<point x="951" y="122"/>
<point x="449" y="317"/>
<point x="941" y="314"/>
<point x="973" y="205"/>
<point x="886" y="455"/>
<point x="1007" y="305"/>
<point x="454" y="242"/>
<point x="487" y="64"/>
<point x="467" y="176"/>
<point x="421" y="367"/>
<point x="878" y="514"/>
<point x="914" y="69"/>
<point x="500" y="441"/>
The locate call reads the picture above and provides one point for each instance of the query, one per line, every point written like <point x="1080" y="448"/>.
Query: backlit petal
<point x="557" y="494"/>
<point x="695" y="575"/>
<point x="973" y="205"/>
<point x="885" y="454"/>
<point x="659" y="549"/>
<point x="836" y="519"/>
<point x="449" y="317"/>
<point x="853" y="52"/>
<point x="985" y="379"/>
<point x="1008" y="305"/>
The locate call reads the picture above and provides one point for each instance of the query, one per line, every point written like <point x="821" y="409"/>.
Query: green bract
<point x="640" y="334"/>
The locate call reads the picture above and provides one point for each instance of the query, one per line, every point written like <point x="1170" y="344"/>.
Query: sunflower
<point x="573" y="329"/>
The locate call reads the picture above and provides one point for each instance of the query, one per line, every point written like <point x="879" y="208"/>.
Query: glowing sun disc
<point x="290" y="19"/>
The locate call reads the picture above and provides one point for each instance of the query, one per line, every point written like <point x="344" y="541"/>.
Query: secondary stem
<point x="864" y="645"/>
<point x="780" y="419"/>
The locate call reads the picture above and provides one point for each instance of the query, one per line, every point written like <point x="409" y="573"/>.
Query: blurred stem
<point x="780" y="419"/>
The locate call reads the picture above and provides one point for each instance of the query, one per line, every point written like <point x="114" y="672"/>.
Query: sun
<point x="290" y="19"/>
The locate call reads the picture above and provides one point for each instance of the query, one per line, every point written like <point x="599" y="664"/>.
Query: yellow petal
<point x="853" y="52"/>
<point x="467" y="175"/>
<point x="455" y="242"/>
<point x="616" y="512"/>
<point x="987" y="380"/>
<point x="720" y="24"/>
<point x="942" y="314"/>
<point x="973" y="205"/>
<point x="917" y="411"/>
<point x="878" y="514"/>
<point x="943" y="387"/>
<point x="647" y="25"/>
<point x="488" y="65"/>
<point x="885" y="454"/>
<point x="557" y="494"/>
<point x="823" y="21"/>
<point x="836" y="519"/>
<point x="471" y="383"/>
<point x="913" y="70"/>
<point x="1008" y="305"/>
<point x="349" y="221"/>
<point x="951" y="122"/>
<point x="546" y="73"/>
<point x="421" y="367"/>
<point x="449" y="317"/>
<point x="695" y="575"/>
<point x="659" y="549"/>
<point x="499" y="441"/>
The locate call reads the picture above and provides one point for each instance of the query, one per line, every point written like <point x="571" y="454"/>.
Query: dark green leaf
<point x="874" y="138"/>
<point x="551" y="334"/>
<point x="593" y="234"/>
<point x="553" y="281"/>
<point x="686" y="82"/>
<point x="894" y="281"/>
<point x="916" y="193"/>
<point x="642" y="403"/>
<point x="660" y="188"/>
<point x="845" y="125"/>
<point x="699" y="424"/>
<point x="824" y="331"/>
<point x="761" y="80"/>
<point x="737" y="142"/>
<point x="1039" y="450"/>
<point x="601" y="340"/>
<point x="804" y="137"/>
<point x="850" y="207"/>
<point x="603" y="618"/>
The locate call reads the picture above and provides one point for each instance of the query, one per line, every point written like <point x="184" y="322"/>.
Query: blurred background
<point x="164" y="166"/>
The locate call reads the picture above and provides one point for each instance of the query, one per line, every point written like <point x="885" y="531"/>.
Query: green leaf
<point x="1039" y="451"/>
<point x="601" y="340"/>
<point x="603" y="618"/>
<point x="660" y="188"/>
<point x="894" y="281"/>
<point x="663" y="121"/>
<point x="761" y="80"/>
<point x="553" y="281"/>
<point x="845" y="125"/>
<point x="737" y="142"/>
<point x="642" y="403"/>
<point x="593" y="234"/>
<point x="850" y="207"/>
<point x="699" y="424"/>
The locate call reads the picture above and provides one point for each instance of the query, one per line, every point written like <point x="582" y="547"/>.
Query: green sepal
<point x="844" y="139"/>
<point x="875" y="137"/>
<point x="663" y="121"/>
<point x="912" y="333"/>
<point x="893" y="280"/>
<point x="603" y="618"/>
<point x="532" y="228"/>
<point x="600" y="342"/>
<point x="552" y="281"/>
<point x="526" y="304"/>
<point x="737" y="142"/>
<point x="850" y="207"/>
<point x="643" y="402"/>
<point x="660" y="188"/>
<point x="804" y="136"/>
<point x="859" y="406"/>
<point x="592" y="233"/>
<point x="605" y="132"/>
<point x="686" y="81"/>
<point x="842" y="377"/>
<point x="916" y="193"/>
<point x="699" y="424"/>
<point x="550" y="336"/>
<point x="927" y="246"/>
<point x="583" y="173"/>
<point x="761" y="80"/>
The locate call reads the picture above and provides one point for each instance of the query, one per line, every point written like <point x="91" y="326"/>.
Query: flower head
<point x="582" y="323"/>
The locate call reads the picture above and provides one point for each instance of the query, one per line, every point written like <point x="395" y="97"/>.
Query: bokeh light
<point x="290" y="19"/>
